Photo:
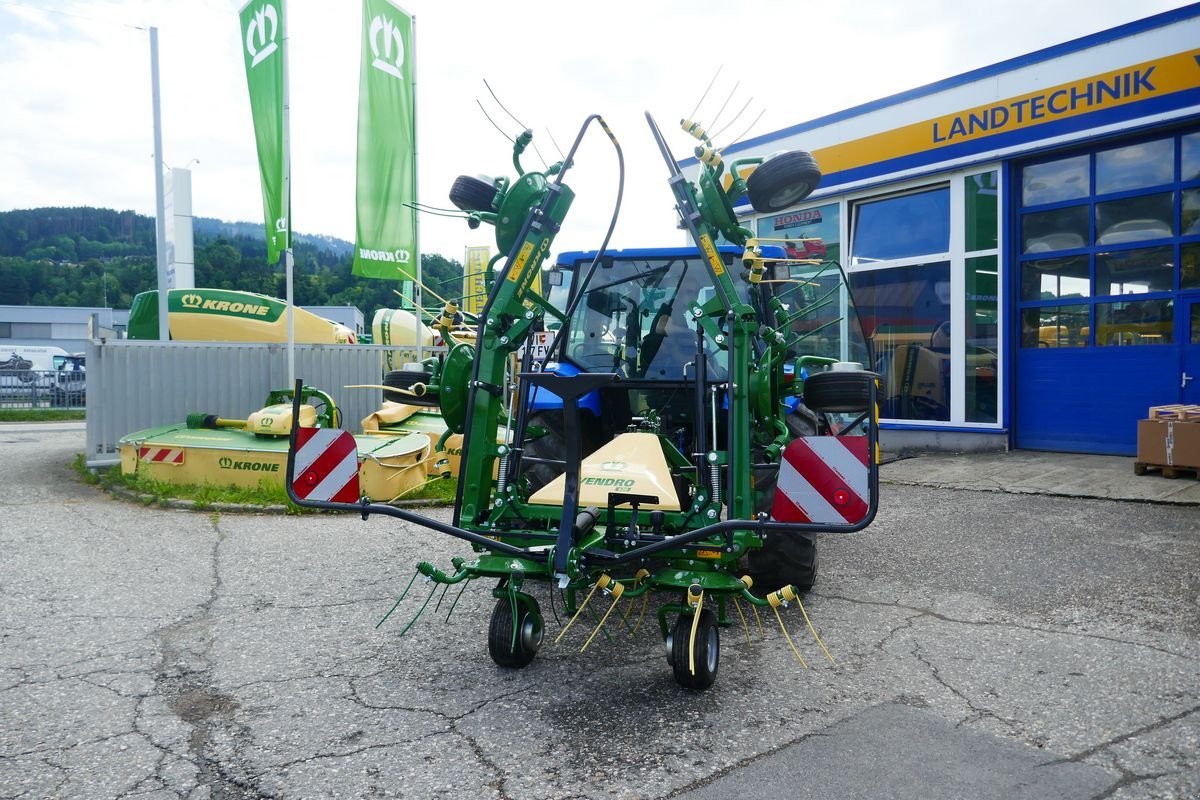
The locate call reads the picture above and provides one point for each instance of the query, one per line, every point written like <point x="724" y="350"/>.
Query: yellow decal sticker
<point x="518" y="266"/>
<point x="708" y="553"/>
<point x="710" y="252"/>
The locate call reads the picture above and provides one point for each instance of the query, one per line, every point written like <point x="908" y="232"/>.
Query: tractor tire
<point x="782" y="181"/>
<point x="783" y="558"/>
<point x="407" y="379"/>
<point x="473" y="193"/>
<point x="506" y="649"/>
<point x="553" y="445"/>
<point x="707" y="655"/>
<point x="839" y="391"/>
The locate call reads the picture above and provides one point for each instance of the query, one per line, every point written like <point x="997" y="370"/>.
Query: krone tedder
<point x="688" y="430"/>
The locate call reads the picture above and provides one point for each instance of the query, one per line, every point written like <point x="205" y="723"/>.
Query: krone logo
<point x="266" y="39"/>
<point x="391" y="34"/>
<point x="191" y="300"/>
<point x="225" y="462"/>
<point x="613" y="466"/>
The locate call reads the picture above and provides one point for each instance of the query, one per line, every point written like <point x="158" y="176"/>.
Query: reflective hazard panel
<point x="823" y="479"/>
<point x="161" y="455"/>
<point x="326" y="465"/>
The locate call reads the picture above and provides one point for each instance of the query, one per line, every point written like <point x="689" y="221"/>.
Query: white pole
<point x="160" y="218"/>
<point x="287" y="204"/>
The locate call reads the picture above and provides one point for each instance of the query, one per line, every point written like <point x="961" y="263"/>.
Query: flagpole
<point x="286" y="256"/>
<point x="418" y="298"/>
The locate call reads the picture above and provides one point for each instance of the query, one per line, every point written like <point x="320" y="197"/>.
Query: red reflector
<point x="310" y="478"/>
<point x="841" y="497"/>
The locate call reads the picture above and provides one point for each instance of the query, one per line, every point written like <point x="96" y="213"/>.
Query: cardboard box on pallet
<point x="1170" y="438"/>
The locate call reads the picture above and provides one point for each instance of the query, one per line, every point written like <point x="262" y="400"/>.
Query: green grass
<point x="40" y="414"/>
<point x="206" y="496"/>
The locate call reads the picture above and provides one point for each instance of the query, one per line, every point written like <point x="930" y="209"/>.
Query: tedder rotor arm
<point x="505" y="324"/>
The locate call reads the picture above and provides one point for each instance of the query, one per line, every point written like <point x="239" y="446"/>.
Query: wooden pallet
<point x="1141" y="468"/>
<point x="1178" y="411"/>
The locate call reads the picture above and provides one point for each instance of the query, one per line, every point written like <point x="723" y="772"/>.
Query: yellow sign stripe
<point x="1108" y="90"/>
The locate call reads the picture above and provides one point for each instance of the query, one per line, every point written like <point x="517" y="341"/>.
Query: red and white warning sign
<point x="823" y="479"/>
<point x="160" y="455"/>
<point x="326" y="465"/>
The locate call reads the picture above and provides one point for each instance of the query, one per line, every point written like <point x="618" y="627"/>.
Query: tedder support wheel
<point x="506" y="649"/>
<point x="707" y="651"/>
<point x="782" y="181"/>
<point x="471" y="193"/>
<point x="839" y="391"/>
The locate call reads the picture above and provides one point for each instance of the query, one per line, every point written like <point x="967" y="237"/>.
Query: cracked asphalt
<point x="987" y="645"/>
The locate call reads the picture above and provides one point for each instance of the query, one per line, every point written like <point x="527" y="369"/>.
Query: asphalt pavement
<point x="991" y="640"/>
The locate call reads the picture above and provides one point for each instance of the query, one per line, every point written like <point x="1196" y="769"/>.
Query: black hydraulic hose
<point x="612" y="224"/>
<point x="553" y="189"/>
<point x="367" y="508"/>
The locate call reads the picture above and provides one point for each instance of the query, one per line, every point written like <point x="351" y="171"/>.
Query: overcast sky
<point x="75" y="100"/>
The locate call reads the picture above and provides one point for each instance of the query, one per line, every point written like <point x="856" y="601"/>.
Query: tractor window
<point x="633" y="318"/>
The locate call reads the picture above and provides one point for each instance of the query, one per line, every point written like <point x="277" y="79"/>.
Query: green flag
<point x="262" y="23"/>
<point x="386" y="228"/>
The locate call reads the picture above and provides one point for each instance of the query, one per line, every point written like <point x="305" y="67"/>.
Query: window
<point x="904" y="226"/>
<point x="982" y="332"/>
<point x="1127" y="239"/>
<point x="806" y="233"/>
<point x="6" y="330"/>
<point x="1135" y="167"/>
<point x="906" y="313"/>
<point x="929" y="297"/>
<point x="1135" y="322"/>
<point x="982" y="211"/>
<point x="1056" y="278"/>
<point x="1055" y="181"/>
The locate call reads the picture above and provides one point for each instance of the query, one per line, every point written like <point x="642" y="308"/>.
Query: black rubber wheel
<point x="839" y="391"/>
<point x="473" y="193"/>
<point x="784" y="558"/>
<point x="515" y="651"/>
<point x="782" y="181"/>
<point x="407" y="379"/>
<point x="707" y="651"/>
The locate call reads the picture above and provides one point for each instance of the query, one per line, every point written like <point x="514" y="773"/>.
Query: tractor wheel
<point x="707" y="651"/>
<point x="516" y="651"/>
<point x="407" y="379"/>
<point x="839" y="391"/>
<point x="473" y="193"/>
<point x="783" y="558"/>
<point x="551" y="445"/>
<point x="782" y="181"/>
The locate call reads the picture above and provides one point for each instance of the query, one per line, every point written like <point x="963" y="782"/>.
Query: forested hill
<point x="97" y="256"/>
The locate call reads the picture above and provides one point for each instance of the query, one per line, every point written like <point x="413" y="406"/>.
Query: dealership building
<point x="1022" y="241"/>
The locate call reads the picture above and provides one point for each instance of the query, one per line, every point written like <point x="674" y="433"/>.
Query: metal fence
<point x="134" y="385"/>
<point x="41" y="388"/>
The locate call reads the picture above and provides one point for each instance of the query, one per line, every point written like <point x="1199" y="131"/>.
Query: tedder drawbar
<point x="698" y="414"/>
